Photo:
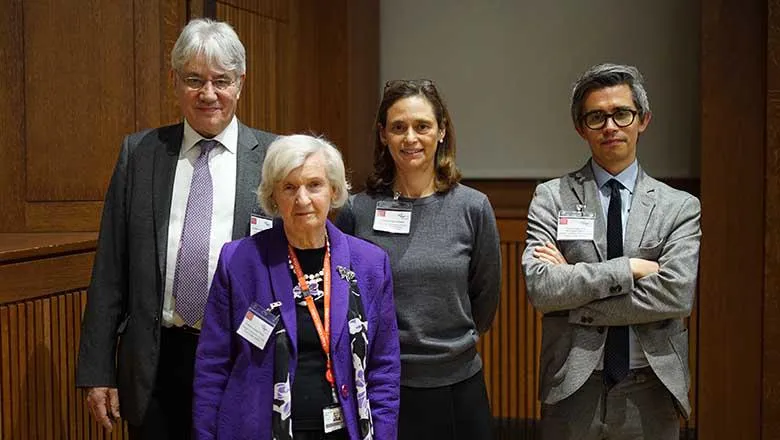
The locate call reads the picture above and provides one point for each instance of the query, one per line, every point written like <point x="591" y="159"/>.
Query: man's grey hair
<point x="608" y="75"/>
<point x="287" y="153"/>
<point x="215" y="40"/>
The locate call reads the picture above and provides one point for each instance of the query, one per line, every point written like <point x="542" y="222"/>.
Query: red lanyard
<point x="322" y="332"/>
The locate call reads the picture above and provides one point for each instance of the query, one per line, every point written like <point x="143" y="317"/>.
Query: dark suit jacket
<point x="234" y="390"/>
<point x="120" y="334"/>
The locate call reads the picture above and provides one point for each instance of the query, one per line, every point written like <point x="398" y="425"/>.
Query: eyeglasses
<point x="195" y="83"/>
<point x="393" y="83"/>
<point x="597" y="119"/>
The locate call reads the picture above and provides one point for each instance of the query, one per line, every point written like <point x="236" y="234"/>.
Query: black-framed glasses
<point x="196" y="83"/>
<point x="597" y="119"/>
<point x="422" y="82"/>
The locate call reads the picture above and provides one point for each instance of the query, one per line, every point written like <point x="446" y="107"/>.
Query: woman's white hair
<point x="287" y="153"/>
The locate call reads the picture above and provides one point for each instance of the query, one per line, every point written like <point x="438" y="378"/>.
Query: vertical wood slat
<point x="62" y="362"/>
<point x="38" y="398"/>
<point x="6" y="418"/>
<point x="24" y="394"/>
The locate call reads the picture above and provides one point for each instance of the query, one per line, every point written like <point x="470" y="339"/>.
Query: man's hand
<point x="549" y="254"/>
<point x="103" y="404"/>
<point x="641" y="268"/>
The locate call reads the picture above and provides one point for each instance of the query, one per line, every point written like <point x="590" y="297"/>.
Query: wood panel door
<point x="79" y="76"/>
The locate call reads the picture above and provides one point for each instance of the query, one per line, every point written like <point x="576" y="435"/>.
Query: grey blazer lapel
<point x="642" y="205"/>
<point x="248" y="163"/>
<point x="166" y="154"/>
<point x="583" y="184"/>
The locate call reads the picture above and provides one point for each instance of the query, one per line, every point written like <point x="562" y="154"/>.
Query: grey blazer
<point x="582" y="297"/>
<point x="120" y="333"/>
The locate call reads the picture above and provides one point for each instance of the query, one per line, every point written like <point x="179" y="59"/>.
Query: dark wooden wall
<point x="77" y="79"/>
<point x="740" y="279"/>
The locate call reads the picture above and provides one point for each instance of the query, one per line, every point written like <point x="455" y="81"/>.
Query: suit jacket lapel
<point x="339" y="288"/>
<point x="642" y="205"/>
<point x="583" y="184"/>
<point x="248" y="163"/>
<point x="281" y="283"/>
<point x="166" y="155"/>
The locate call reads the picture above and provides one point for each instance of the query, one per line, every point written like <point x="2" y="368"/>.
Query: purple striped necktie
<point x="191" y="279"/>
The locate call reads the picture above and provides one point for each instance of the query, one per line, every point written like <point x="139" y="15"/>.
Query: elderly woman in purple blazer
<point x="299" y="338"/>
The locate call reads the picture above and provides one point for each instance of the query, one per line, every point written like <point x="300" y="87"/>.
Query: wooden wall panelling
<point x="6" y="412"/>
<point x="173" y="17"/>
<point x="274" y="9"/>
<point x="78" y="96"/>
<point x="61" y="326"/>
<point x="39" y="345"/>
<point x="257" y="106"/>
<point x="362" y="86"/>
<point x="733" y="70"/>
<point x="23" y="280"/>
<point x="12" y="117"/>
<point x="771" y="381"/>
<point x="149" y="66"/>
<point x="63" y="216"/>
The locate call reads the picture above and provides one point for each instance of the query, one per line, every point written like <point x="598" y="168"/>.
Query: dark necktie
<point x="191" y="279"/>
<point x="616" y="360"/>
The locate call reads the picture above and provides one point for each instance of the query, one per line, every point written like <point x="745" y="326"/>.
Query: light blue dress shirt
<point x="627" y="179"/>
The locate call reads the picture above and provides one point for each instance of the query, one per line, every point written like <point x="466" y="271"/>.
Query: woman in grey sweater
<point x="443" y="244"/>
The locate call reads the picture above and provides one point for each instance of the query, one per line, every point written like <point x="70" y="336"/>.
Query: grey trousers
<point x="639" y="407"/>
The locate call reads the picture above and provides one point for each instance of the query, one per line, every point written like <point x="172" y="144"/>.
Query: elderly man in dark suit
<point x="611" y="260"/>
<point x="178" y="193"/>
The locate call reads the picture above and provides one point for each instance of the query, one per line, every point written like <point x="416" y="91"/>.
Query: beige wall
<point x="506" y="66"/>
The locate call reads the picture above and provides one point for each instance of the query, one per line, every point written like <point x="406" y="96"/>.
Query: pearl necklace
<point x="314" y="277"/>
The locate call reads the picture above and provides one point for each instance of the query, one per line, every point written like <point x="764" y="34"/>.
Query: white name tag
<point x="258" y="325"/>
<point x="332" y="418"/>
<point x="259" y="223"/>
<point x="393" y="216"/>
<point x="576" y="225"/>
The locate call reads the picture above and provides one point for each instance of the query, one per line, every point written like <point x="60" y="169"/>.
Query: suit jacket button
<point x="584" y="320"/>
<point x="344" y="391"/>
<point x="600" y="329"/>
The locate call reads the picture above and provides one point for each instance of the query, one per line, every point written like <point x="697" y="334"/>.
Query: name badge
<point x="393" y="216"/>
<point x="332" y="418"/>
<point x="259" y="223"/>
<point x="576" y="225"/>
<point x="258" y="325"/>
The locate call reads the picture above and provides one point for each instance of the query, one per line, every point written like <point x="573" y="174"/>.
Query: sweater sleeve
<point x="485" y="268"/>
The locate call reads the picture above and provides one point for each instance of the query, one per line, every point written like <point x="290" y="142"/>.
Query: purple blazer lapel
<point x="339" y="295"/>
<point x="281" y="283"/>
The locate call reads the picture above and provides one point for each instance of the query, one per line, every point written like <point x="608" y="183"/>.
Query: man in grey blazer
<point x="178" y="193"/>
<point x="611" y="260"/>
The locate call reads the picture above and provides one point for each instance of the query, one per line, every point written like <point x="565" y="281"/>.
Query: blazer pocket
<point x="651" y="251"/>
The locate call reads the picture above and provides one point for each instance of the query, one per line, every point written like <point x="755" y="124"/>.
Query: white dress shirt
<point x="222" y="166"/>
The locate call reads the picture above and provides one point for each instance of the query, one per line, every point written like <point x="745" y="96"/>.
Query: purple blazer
<point x="233" y="388"/>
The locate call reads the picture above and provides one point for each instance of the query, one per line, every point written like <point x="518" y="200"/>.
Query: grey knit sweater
<point x="447" y="280"/>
